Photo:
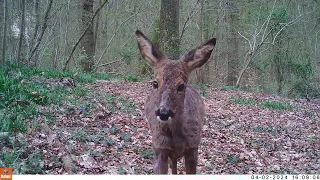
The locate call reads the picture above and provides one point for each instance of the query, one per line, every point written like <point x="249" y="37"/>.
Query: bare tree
<point x="36" y="27"/>
<point x="258" y="38"/>
<point x="232" y="41"/>
<point x="4" y="34"/>
<point x="83" y="34"/>
<point x="43" y="29"/>
<point x="22" y="30"/>
<point x="87" y="44"/>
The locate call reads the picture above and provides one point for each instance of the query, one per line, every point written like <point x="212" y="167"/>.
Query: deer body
<point x="174" y="110"/>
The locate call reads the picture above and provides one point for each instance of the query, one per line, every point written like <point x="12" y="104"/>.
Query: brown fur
<point x="181" y="136"/>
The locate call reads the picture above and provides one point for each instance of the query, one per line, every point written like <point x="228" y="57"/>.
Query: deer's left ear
<point x="197" y="57"/>
<point x="149" y="51"/>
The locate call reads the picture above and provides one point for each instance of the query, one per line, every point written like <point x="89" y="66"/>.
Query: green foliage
<point x="232" y="159"/>
<point x="269" y="129"/>
<point x="108" y="142"/>
<point x="302" y="83"/>
<point x="276" y="105"/>
<point x="18" y="102"/>
<point x="144" y="67"/>
<point x="9" y="158"/>
<point x="125" y="136"/>
<point x="302" y="70"/>
<point x="29" y="72"/>
<point x="23" y="90"/>
<point x="119" y="103"/>
<point x="128" y="54"/>
<point x="35" y="164"/>
<point x="243" y="101"/>
<point x="146" y="154"/>
<point x="80" y="134"/>
<point x="266" y="104"/>
<point x="80" y="91"/>
<point x="132" y="78"/>
<point x="121" y="170"/>
<point x="203" y="88"/>
<point x="280" y="14"/>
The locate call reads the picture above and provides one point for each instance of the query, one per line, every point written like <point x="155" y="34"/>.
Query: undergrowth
<point x="266" y="104"/>
<point x="31" y="97"/>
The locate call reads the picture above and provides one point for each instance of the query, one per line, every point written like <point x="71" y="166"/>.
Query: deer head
<point x="171" y="76"/>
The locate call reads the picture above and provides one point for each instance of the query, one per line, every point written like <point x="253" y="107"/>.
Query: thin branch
<point x="57" y="10"/>
<point x="106" y="64"/>
<point x="114" y="34"/>
<point x="260" y="52"/>
<point x="259" y="20"/>
<point x="287" y="24"/>
<point x="185" y="25"/>
<point x="82" y="35"/>
<point x="246" y="39"/>
<point x="268" y="21"/>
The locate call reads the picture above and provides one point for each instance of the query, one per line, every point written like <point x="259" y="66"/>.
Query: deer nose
<point x="164" y="114"/>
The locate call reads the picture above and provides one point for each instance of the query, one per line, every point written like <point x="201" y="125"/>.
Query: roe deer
<point x="174" y="110"/>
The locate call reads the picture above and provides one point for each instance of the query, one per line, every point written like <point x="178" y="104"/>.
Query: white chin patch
<point x="162" y="121"/>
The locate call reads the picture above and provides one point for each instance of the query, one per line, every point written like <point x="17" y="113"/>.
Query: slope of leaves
<point x="100" y="129"/>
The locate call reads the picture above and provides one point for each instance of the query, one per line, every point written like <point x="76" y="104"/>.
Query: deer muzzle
<point x="164" y="114"/>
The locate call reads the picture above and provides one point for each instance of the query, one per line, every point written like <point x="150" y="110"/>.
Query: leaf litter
<point x="106" y="133"/>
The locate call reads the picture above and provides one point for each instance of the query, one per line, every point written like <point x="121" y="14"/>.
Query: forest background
<point x="262" y="46"/>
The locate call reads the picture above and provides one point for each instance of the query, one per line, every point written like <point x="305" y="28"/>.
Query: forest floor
<point x="100" y="129"/>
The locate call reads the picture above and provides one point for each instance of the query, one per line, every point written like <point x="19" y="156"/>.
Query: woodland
<point x="73" y="84"/>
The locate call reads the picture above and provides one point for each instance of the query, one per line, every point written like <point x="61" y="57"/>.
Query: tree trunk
<point x="66" y="33"/>
<point x="87" y="44"/>
<point x="96" y="28"/>
<point x="36" y="27"/>
<point x="82" y="35"/>
<point x="248" y="59"/>
<point x="43" y="29"/>
<point x="4" y="35"/>
<point x="232" y="44"/>
<point x="169" y="28"/>
<point x="36" y="30"/>
<point x="200" y="71"/>
<point x="22" y="30"/>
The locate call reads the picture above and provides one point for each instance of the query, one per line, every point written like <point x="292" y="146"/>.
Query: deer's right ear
<point x="149" y="52"/>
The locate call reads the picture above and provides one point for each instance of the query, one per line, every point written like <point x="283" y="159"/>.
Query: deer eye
<point x="181" y="87"/>
<point x="155" y="84"/>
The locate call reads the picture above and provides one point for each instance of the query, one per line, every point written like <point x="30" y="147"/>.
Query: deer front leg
<point x="161" y="161"/>
<point x="191" y="161"/>
<point x="174" y="165"/>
